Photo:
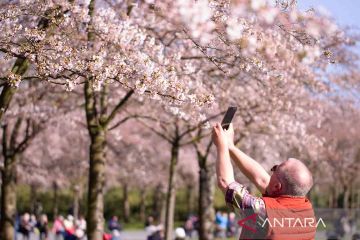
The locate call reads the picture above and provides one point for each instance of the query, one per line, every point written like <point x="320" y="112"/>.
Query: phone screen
<point x="225" y="123"/>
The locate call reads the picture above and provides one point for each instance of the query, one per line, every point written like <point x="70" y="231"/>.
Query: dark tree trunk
<point x="336" y="196"/>
<point x="331" y="199"/>
<point x="142" y="205"/>
<point x="171" y="193"/>
<point x="158" y="201"/>
<point x="8" y="198"/>
<point x="76" y="201"/>
<point x="95" y="201"/>
<point x="206" y="200"/>
<point x="159" y="207"/>
<point x="97" y="123"/>
<point x="97" y="127"/>
<point x="33" y="198"/>
<point x="352" y="197"/>
<point x="10" y="152"/>
<point x="95" y="218"/>
<point x="126" y="203"/>
<point x="55" y="203"/>
<point x="190" y="198"/>
<point x="346" y="195"/>
<point x="162" y="216"/>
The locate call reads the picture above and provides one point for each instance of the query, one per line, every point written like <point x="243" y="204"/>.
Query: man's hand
<point x="223" y="138"/>
<point x="219" y="137"/>
<point x="229" y="133"/>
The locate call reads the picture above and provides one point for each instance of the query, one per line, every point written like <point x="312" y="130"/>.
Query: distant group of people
<point x="191" y="225"/>
<point x="153" y="230"/>
<point x="75" y="229"/>
<point x="115" y="228"/>
<point x="225" y="225"/>
<point x="344" y="226"/>
<point x="63" y="228"/>
<point x="29" y="224"/>
<point x="69" y="228"/>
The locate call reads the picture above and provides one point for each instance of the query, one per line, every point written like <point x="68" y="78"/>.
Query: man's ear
<point x="278" y="187"/>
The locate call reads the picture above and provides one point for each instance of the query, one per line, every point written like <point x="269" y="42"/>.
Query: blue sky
<point x="346" y="12"/>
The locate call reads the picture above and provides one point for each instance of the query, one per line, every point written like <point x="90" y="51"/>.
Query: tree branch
<point x="200" y="124"/>
<point x="195" y="139"/>
<point x="4" y="140"/>
<point x="15" y="133"/>
<point x="118" y="107"/>
<point x="156" y="132"/>
<point x="128" y="118"/>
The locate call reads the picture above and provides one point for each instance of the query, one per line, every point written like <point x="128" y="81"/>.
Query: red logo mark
<point x="252" y="218"/>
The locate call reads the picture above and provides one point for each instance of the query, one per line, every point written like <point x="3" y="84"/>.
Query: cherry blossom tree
<point x="63" y="160"/>
<point x="28" y="117"/>
<point x="168" y="123"/>
<point x="339" y="152"/>
<point x="147" y="164"/>
<point x="134" y="165"/>
<point x="182" y="53"/>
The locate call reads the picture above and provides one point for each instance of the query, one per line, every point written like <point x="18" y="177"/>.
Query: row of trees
<point x="97" y="91"/>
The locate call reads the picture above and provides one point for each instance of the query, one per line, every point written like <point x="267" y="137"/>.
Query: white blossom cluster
<point x="178" y="52"/>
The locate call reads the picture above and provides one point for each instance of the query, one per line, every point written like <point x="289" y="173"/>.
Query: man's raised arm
<point x="235" y="194"/>
<point x="224" y="168"/>
<point x="248" y="166"/>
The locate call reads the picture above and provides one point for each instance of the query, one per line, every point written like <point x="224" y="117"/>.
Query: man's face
<point x="274" y="188"/>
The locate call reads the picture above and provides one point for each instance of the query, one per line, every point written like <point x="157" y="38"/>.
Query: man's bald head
<point x="295" y="177"/>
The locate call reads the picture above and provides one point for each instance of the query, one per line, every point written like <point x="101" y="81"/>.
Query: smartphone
<point x="225" y="123"/>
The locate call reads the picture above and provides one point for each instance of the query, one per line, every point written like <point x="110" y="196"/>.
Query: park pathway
<point x="141" y="235"/>
<point x="125" y="235"/>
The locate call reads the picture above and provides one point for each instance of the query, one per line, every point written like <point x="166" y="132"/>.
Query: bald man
<point x="283" y="212"/>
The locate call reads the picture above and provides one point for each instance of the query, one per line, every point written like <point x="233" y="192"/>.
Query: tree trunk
<point x="158" y="202"/>
<point x="8" y="198"/>
<point x="336" y="196"/>
<point x="171" y="193"/>
<point x="76" y="202"/>
<point x="206" y="202"/>
<point x="159" y="207"/>
<point x="352" y="197"/>
<point x="331" y="199"/>
<point x="126" y="203"/>
<point x="162" y="216"/>
<point x="55" y="203"/>
<point x="10" y="152"/>
<point x="95" y="218"/>
<point x="142" y="205"/>
<point x="95" y="209"/>
<point x="346" y="195"/>
<point x="33" y="199"/>
<point x="190" y="198"/>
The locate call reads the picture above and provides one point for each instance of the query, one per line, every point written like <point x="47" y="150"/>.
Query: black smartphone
<point x="229" y="115"/>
